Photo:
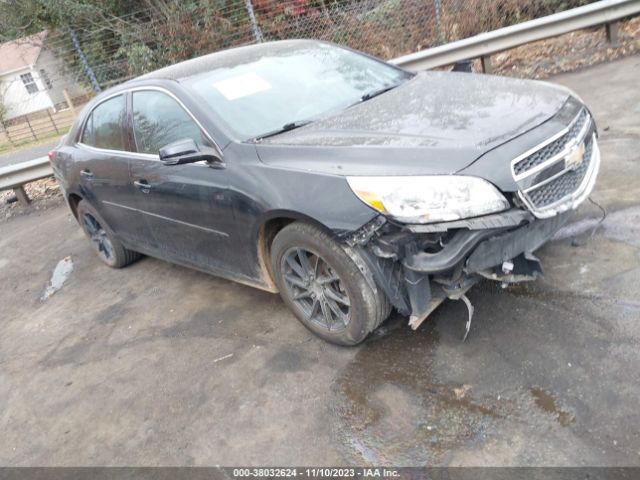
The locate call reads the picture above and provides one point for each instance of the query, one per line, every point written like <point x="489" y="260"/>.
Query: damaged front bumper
<point x="419" y="266"/>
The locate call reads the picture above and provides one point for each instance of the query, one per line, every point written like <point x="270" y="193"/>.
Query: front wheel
<point x="323" y="286"/>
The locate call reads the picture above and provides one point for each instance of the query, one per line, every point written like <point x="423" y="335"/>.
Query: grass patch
<point x="8" y="148"/>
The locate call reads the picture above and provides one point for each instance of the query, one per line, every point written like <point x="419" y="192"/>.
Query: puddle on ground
<point x="624" y="226"/>
<point x="547" y="403"/>
<point x="60" y="275"/>
<point x="534" y="291"/>
<point x="394" y="404"/>
<point x="628" y="306"/>
<point x="620" y="225"/>
<point x="391" y="409"/>
<point x="575" y="229"/>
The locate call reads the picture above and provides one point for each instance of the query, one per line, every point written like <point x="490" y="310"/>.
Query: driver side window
<point x="159" y="120"/>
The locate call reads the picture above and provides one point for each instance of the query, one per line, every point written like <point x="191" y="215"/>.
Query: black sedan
<point x="346" y="184"/>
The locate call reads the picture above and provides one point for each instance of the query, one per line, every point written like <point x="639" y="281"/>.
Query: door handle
<point x="142" y="185"/>
<point x="88" y="174"/>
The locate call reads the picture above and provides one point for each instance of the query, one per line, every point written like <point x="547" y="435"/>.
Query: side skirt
<point x="234" y="277"/>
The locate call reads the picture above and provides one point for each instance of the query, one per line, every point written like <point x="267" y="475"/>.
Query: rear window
<point x="103" y="128"/>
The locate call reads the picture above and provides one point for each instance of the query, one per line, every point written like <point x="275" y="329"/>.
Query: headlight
<point x="429" y="199"/>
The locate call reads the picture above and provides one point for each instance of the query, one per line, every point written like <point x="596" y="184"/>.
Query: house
<point x="31" y="78"/>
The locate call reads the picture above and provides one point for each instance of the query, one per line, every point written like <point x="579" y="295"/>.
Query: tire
<point x="328" y="293"/>
<point x="109" y="249"/>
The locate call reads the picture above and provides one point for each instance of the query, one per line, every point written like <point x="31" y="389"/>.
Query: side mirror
<point x="187" y="151"/>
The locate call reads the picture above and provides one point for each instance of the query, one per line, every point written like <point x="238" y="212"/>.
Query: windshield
<point x="273" y="91"/>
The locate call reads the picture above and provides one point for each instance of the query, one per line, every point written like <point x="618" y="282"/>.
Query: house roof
<point x="20" y="53"/>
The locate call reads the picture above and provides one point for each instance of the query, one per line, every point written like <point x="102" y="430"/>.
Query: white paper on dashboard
<point x="241" y="86"/>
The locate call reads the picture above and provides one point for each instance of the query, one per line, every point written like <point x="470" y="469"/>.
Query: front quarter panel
<point x="262" y="192"/>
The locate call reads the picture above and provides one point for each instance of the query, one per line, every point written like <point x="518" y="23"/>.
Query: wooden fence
<point x="39" y="125"/>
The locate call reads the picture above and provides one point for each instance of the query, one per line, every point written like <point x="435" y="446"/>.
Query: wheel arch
<point x="73" y="200"/>
<point x="267" y="229"/>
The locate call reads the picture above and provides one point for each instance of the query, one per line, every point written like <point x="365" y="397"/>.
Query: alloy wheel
<point x="98" y="237"/>
<point x="316" y="288"/>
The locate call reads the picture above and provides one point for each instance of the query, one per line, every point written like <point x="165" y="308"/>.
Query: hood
<point x="437" y="122"/>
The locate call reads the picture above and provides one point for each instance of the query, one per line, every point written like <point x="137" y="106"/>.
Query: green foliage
<point x="140" y="58"/>
<point x="178" y="31"/>
<point x="24" y="17"/>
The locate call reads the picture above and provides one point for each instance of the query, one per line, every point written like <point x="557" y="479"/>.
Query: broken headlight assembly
<point x="428" y="199"/>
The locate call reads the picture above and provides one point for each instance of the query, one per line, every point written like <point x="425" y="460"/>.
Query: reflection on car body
<point x="348" y="185"/>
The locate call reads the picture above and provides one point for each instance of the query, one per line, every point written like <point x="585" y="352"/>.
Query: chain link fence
<point x="69" y="64"/>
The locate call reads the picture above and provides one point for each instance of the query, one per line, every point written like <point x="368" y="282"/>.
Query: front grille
<point x="567" y="183"/>
<point x="554" y="178"/>
<point x="553" y="148"/>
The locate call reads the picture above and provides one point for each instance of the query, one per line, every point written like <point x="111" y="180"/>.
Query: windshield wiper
<point x="285" y="128"/>
<point x="380" y="91"/>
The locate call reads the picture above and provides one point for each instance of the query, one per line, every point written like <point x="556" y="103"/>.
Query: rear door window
<point x="103" y="128"/>
<point x="159" y="120"/>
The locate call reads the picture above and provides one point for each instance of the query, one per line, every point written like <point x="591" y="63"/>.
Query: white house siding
<point x="48" y="62"/>
<point x="17" y="100"/>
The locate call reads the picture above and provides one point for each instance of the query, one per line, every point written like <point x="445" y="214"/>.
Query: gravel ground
<point x="44" y="193"/>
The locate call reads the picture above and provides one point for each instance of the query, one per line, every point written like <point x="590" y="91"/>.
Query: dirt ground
<point x="159" y="365"/>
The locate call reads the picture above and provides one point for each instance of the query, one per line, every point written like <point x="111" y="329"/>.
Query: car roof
<point x="164" y="77"/>
<point x="225" y="59"/>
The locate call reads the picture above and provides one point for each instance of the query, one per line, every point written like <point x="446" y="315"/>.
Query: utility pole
<point x="83" y="60"/>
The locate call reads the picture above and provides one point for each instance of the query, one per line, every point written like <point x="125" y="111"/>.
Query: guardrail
<point x="15" y="176"/>
<point x="604" y="12"/>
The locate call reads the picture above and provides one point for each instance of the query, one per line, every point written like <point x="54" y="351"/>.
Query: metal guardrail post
<point x="21" y="195"/>
<point x="612" y="33"/>
<point x="13" y="177"/>
<point x="485" y="61"/>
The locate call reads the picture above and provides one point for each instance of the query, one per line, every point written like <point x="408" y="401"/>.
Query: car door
<point x="104" y="165"/>
<point x="188" y="207"/>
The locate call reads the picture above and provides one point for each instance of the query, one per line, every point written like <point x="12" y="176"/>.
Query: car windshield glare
<point x="305" y="83"/>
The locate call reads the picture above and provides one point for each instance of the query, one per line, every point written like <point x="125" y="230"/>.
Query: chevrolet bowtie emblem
<point x="574" y="160"/>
